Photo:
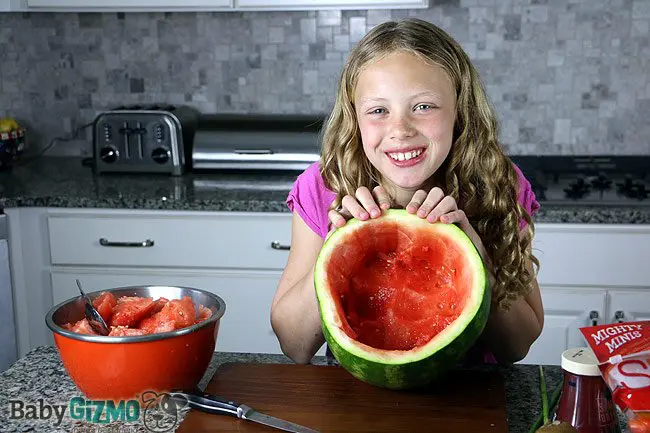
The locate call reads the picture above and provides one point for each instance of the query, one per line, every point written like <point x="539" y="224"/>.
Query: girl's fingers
<point x="446" y="205"/>
<point x="364" y="196"/>
<point x="354" y="207"/>
<point x="381" y="197"/>
<point x="433" y="198"/>
<point x="457" y="216"/>
<point x="363" y="205"/>
<point x="336" y="218"/>
<point x="417" y="200"/>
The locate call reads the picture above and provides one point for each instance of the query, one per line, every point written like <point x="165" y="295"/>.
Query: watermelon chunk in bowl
<point x="144" y="352"/>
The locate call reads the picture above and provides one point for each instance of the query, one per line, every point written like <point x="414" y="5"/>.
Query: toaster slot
<point x="140" y="132"/>
<point x="125" y="132"/>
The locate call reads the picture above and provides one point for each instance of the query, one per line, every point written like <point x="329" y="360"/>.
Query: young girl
<point x="412" y="128"/>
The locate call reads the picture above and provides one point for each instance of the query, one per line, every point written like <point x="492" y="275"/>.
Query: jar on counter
<point x="585" y="401"/>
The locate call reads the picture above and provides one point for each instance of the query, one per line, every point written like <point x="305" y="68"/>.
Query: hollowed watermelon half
<point x="401" y="299"/>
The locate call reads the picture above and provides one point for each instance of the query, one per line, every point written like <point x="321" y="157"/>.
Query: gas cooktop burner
<point x="598" y="180"/>
<point x="632" y="188"/>
<point x="601" y="182"/>
<point x="578" y="189"/>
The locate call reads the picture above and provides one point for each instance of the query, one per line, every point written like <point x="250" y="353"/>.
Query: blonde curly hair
<point x="477" y="173"/>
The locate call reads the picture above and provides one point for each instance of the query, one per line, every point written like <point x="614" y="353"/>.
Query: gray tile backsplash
<point x="565" y="76"/>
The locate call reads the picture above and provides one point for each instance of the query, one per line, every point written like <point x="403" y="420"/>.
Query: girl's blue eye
<point x="423" y="107"/>
<point x="377" y="111"/>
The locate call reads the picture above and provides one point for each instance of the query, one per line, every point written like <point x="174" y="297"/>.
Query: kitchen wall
<point x="566" y="76"/>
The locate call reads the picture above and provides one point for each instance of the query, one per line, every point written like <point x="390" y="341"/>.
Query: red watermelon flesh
<point x="398" y="298"/>
<point x="134" y="316"/>
<point x="401" y="300"/>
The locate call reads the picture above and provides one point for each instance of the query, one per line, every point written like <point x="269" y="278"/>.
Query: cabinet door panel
<point x="596" y="255"/>
<point x="127" y="4"/>
<point x="565" y="311"/>
<point x="313" y="4"/>
<point x="629" y="306"/>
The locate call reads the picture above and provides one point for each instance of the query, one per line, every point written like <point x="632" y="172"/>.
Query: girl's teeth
<point x="401" y="156"/>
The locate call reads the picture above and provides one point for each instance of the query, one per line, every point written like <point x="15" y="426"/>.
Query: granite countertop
<point x="40" y="375"/>
<point x="66" y="182"/>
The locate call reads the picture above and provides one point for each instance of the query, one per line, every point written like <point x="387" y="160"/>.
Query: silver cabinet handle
<point x="593" y="316"/>
<point x="106" y="243"/>
<point x="276" y="245"/>
<point x="619" y="316"/>
<point x="254" y="151"/>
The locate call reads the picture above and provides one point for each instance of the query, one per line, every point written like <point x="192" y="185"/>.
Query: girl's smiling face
<point x="406" y="110"/>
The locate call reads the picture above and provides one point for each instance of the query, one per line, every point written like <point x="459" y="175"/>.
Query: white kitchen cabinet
<point x="203" y="5"/>
<point x="593" y="255"/>
<point x="130" y="4"/>
<point x="584" y="273"/>
<point x="227" y="253"/>
<point x="565" y="311"/>
<point x="329" y="4"/>
<point x="628" y="306"/>
<point x="13" y="5"/>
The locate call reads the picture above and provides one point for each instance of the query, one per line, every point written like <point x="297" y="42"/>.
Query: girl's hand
<point x="436" y="206"/>
<point x="362" y="205"/>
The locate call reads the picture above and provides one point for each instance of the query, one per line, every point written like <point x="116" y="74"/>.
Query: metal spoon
<point x="95" y="319"/>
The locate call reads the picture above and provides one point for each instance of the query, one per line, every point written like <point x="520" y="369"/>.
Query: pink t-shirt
<point x="310" y="199"/>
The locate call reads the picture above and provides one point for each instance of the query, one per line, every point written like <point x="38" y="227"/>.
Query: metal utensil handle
<point x="95" y="320"/>
<point x="276" y="245"/>
<point x="82" y="292"/>
<point x="211" y="404"/>
<point x="145" y="244"/>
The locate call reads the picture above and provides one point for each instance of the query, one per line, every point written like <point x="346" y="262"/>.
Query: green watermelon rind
<point x="406" y="369"/>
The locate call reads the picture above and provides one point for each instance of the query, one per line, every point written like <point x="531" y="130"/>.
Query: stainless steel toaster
<point x="152" y="138"/>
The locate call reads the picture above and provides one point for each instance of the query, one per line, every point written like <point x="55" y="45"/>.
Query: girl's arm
<point x="295" y="317"/>
<point x="294" y="311"/>
<point x="509" y="334"/>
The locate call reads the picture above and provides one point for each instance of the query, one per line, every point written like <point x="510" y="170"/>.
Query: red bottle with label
<point x="586" y="401"/>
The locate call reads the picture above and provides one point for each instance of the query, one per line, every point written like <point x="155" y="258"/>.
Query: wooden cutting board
<point x="329" y="399"/>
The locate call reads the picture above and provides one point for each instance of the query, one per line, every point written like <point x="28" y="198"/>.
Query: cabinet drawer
<point x="223" y="241"/>
<point x="599" y="255"/>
